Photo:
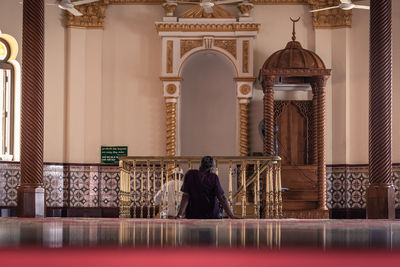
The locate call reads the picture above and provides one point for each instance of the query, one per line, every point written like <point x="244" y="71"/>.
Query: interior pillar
<point x="314" y="123"/>
<point x="244" y="126"/>
<point x="31" y="201"/>
<point x="321" y="140"/>
<point x="268" y="101"/>
<point x="380" y="193"/>
<point x="171" y="126"/>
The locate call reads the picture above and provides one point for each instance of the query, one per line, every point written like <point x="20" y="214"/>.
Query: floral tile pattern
<point x="9" y="182"/>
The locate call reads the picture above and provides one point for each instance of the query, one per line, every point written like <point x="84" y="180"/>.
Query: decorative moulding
<point x="94" y="13"/>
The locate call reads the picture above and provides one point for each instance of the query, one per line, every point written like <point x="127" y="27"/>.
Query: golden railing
<point x="142" y="177"/>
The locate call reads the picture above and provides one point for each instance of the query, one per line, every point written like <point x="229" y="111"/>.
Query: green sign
<point x="110" y="154"/>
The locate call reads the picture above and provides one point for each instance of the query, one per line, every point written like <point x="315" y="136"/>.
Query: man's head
<point x="207" y="162"/>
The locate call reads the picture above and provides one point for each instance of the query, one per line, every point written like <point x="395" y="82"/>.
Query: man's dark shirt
<point x="203" y="188"/>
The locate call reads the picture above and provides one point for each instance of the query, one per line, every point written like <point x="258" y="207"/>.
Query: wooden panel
<point x="309" y="195"/>
<point x="292" y="135"/>
<point x="299" y="205"/>
<point x="297" y="177"/>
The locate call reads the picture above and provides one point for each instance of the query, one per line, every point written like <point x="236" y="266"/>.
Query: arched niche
<point x="180" y="41"/>
<point x="208" y="119"/>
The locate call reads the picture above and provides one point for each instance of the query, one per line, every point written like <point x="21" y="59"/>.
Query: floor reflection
<point x="272" y="234"/>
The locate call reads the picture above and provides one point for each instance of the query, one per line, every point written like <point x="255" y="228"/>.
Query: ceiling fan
<point x="344" y="4"/>
<point x="70" y="6"/>
<point x="208" y="4"/>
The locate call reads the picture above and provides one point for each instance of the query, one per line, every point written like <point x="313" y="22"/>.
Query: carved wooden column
<point x="380" y="193"/>
<point x="314" y="123"/>
<point x="31" y="192"/>
<point x="321" y="140"/>
<point x="268" y="88"/>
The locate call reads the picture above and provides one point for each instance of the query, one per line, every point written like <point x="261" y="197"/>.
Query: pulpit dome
<point x="294" y="56"/>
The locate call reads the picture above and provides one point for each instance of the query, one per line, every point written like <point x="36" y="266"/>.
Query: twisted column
<point x="321" y="141"/>
<point x="244" y="126"/>
<point x="268" y="100"/>
<point x="314" y="123"/>
<point x="171" y="126"/>
<point x="31" y="192"/>
<point x="380" y="194"/>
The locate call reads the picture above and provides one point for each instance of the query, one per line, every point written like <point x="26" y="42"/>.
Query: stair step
<point x="299" y="205"/>
<point x="307" y="195"/>
<point x="306" y="214"/>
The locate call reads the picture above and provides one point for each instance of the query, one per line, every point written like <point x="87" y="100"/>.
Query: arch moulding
<point x="180" y="40"/>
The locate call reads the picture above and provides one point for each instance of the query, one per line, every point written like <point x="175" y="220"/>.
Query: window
<point x="9" y="99"/>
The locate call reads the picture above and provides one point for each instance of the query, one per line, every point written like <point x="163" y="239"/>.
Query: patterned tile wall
<point x="347" y="186"/>
<point x="98" y="186"/>
<point x="66" y="185"/>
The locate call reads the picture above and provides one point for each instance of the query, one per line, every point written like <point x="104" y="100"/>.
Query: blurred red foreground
<point x="195" y="257"/>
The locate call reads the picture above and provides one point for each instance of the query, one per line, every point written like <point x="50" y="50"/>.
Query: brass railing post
<point x="142" y="200"/>
<point x="162" y="203"/>
<point x="257" y="192"/>
<point x="280" y="204"/>
<point x="148" y="190"/>
<point x="154" y="191"/>
<point x="267" y="191"/>
<point x="230" y="185"/>
<point x="134" y="189"/>
<point x="243" y="176"/>
<point x="124" y="190"/>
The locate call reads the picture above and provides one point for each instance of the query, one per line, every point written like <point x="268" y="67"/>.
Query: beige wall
<point x="122" y="102"/>
<point x="133" y="109"/>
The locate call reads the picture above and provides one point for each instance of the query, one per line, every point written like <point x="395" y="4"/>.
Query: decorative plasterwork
<point x="256" y="2"/>
<point x="245" y="89"/>
<point x="171" y="89"/>
<point x="93" y="16"/>
<point x="333" y="18"/>
<point x="170" y="47"/>
<point x="187" y="45"/>
<point x="245" y="56"/>
<point x="228" y="45"/>
<point x="198" y="12"/>
<point x="175" y="27"/>
<point x="296" y="72"/>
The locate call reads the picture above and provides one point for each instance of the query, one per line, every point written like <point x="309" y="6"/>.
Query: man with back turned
<point x="202" y="193"/>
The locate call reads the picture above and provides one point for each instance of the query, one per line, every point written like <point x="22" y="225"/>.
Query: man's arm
<point x="222" y="200"/>
<point x="184" y="204"/>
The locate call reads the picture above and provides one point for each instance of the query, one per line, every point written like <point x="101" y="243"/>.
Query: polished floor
<point x="156" y="233"/>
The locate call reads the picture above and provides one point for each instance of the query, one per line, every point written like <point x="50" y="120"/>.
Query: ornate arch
<point x="200" y="49"/>
<point x="181" y="40"/>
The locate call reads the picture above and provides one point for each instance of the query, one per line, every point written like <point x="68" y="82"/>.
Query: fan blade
<point x="83" y="2"/>
<point x="326" y="8"/>
<point x="186" y="3"/>
<point x="361" y="7"/>
<point x="224" y="2"/>
<point x="74" y="12"/>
